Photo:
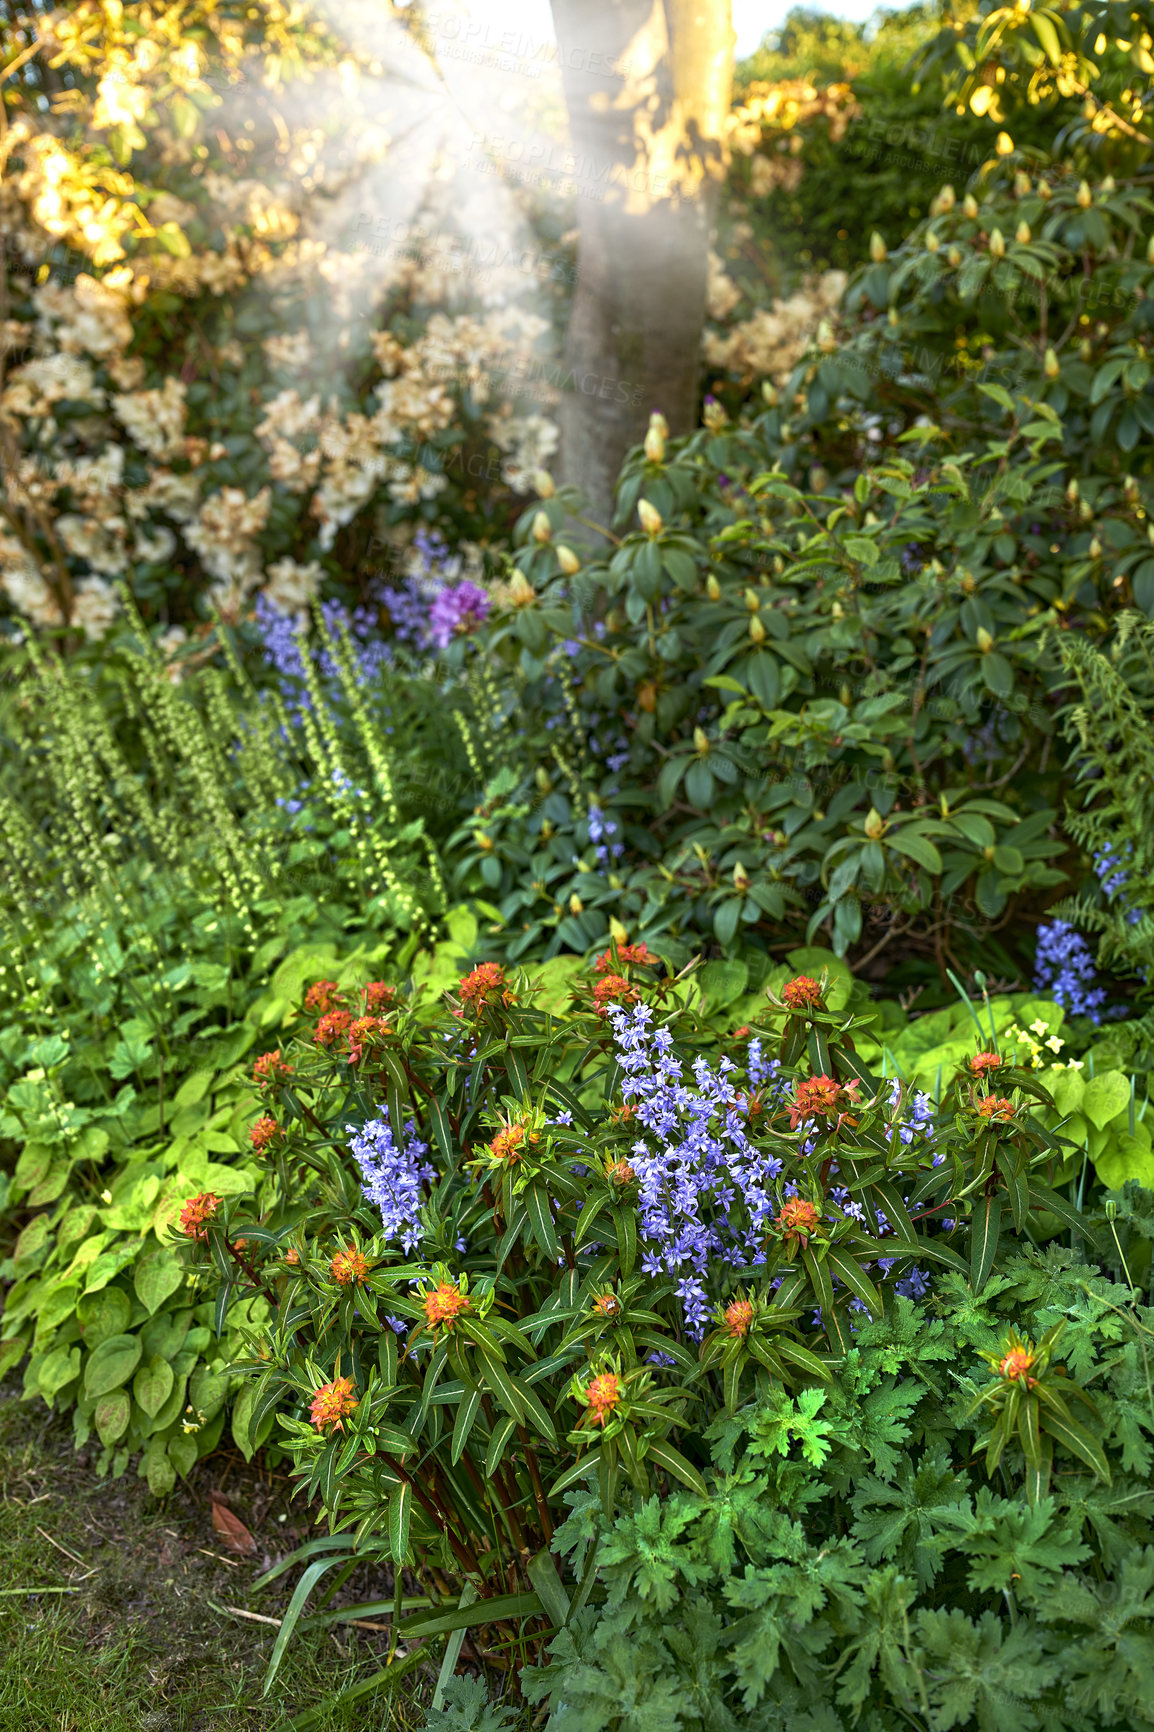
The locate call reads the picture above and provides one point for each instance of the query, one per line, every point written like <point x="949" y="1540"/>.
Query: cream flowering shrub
<point x="227" y="371"/>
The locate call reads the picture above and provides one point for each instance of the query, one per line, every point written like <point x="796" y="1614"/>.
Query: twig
<point x="47" y="1536"/>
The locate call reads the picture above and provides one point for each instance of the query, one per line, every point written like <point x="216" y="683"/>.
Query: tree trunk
<point x="647" y="84"/>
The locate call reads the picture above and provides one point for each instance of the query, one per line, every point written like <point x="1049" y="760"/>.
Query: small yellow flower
<point x="1039" y="1027"/>
<point x="1055" y="1043"/>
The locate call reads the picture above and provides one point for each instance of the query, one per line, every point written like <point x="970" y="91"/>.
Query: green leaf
<point x="400" y="1515"/>
<point x="152" y="1385"/>
<point x="112" y="1364"/>
<point x="1107" y="1095"/>
<point x="157" y="1275"/>
<point x="111" y="1416"/>
<point x="985" y="1228"/>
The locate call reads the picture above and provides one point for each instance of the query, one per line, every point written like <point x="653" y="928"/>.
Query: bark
<point x="647" y="85"/>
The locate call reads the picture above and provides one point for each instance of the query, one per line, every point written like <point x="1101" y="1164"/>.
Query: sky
<point x="751" y="18"/>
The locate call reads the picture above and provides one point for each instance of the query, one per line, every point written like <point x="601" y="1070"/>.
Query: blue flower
<point x="1064" y="968"/>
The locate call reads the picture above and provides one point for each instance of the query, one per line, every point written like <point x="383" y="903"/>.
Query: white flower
<point x="291" y="586"/>
<point x="155" y="419"/>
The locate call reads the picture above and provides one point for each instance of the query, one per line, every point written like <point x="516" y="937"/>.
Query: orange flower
<point x="379" y="996"/>
<point x="798" y="1219"/>
<point x="197" y="1212"/>
<point x="270" y="1069"/>
<point x="607" y="1305"/>
<point x="322" y="997"/>
<point x="506" y="1145"/>
<point x="821" y="1097"/>
<point x="613" y="989"/>
<point x="332" y="1404"/>
<point x="263" y="1134"/>
<point x="628" y="956"/>
<point x="366" y="1031"/>
<point x="332" y="1026"/>
<point x="801" y="992"/>
<point x="1017" y="1364"/>
<point x="985" y="1061"/>
<point x="739" y="1315"/>
<point x="348" y="1266"/>
<point x="485" y="983"/>
<point x="740" y="1033"/>
<point x="292" y="1256"/>
<point x="620" y="1173"/>
<point x="602" y="1394"/>
<point x="995" y="1107"/>
<point x="444" y="1304"/>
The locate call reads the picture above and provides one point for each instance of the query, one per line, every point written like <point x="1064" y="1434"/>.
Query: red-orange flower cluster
<point x="263" y="1134"/>
<point x="485" y="983"/>
<point x="628" y="956"/>
<point x="613" y="989"/>
<point x="995" y="1108"/>
<point x="738" y="1317"/>
<point x="332" y="1026"/>
<point x="196" y="1214"/>
<point x="607" y="1305"/>
<point x="348" y="1267"/>
<point x="379" y="996"/>
<point x="603" y="1394"/>
<point x="984" y="1062"/>
<point x="620" y="1173"/>
<point x="270" y="1069"/>
<point x="506" y="1145"/>
<point x="332" y="1404"/>
<point x="322" y="997"/>
<point x="444" y="1304"/>
<point x="1018" y="1364"/>
<point x="798" y="1218"/>
<point x="364" y="1033"/>
<point x="801" y="992"/>
<point x="822" y="1097"/>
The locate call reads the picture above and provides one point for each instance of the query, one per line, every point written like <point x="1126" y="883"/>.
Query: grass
<point x="113" y="1615"/>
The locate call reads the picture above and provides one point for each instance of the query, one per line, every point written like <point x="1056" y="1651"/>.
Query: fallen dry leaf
<point x="231" y="1531"/>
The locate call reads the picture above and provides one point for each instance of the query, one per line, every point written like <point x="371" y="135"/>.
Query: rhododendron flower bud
<point x="543" y="482"/>
<point x="932" y="241"/>
<point x="741" y="878"/>
<point x="1085" y="196"/>
<point x="521" y="591"/>
<point x="1022" y="233"/>
<point x="877" y="248"/>
<point x="1021" y="184"/>
<point x="997" y="244"/>
<point x="701" y="742"/>
<point x="970" y="205"/>
<point x="954" y="256"/>
<point x="651" y="519"/>
<point x="757" y="631"/>
<point x="542" y="528"/>
<point x="712" y="588"/>
<point x="1051" y="366"/>
<point x="874" y="825"/>
<point x="567" y="559"/>
<point x="655" y="443"/>
<point x="576" y="906"/>
<point x="985" y="640"/>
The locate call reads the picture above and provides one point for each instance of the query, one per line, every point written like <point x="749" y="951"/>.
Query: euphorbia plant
<point x="544" y="1248"/>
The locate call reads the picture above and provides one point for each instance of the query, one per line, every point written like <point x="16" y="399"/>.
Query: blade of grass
<point x="452" y="1649"/>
